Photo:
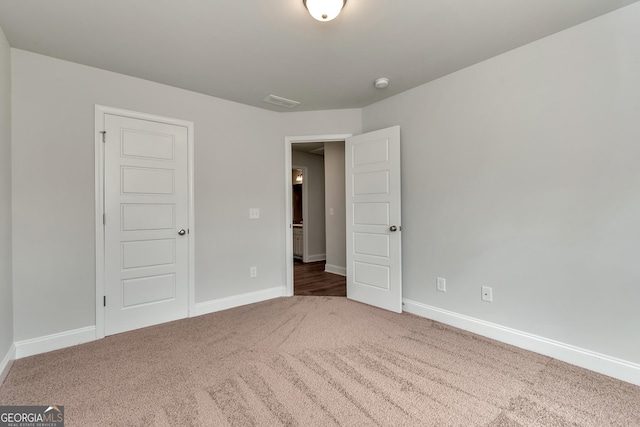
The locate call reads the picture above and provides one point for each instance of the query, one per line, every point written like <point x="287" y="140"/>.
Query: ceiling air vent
<point x="283" y="102"/>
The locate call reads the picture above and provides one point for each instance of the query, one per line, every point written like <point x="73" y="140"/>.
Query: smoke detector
<point x="381" y="83"/>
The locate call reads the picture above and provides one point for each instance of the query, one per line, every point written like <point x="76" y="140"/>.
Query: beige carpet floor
<point x="314" y="361"/>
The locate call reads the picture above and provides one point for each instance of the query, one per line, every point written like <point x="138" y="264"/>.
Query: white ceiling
<point x="309" y="147"/>
<point x="245" y="50"/>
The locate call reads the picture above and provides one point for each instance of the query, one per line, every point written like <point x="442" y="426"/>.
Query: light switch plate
<point x="487" y="294"/>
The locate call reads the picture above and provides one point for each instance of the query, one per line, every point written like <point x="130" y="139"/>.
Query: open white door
<point x="374" y="258"/>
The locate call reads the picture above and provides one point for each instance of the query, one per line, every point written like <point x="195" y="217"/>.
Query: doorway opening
<point x="311" y="261"/>
<point x="372" y="216"/>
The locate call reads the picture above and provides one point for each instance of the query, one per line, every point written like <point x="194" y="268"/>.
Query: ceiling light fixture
<point x="324" y="10"/>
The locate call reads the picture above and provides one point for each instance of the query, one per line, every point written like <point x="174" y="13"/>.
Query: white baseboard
<point x="60" y="340"/>
<point x="316" y="258"/>
<point x="55" y="341"/>
<point x="607" y="365"/>
<point x="238" y="300"/>
<point x="7" y="362"/>
<point x="335" y="269"/>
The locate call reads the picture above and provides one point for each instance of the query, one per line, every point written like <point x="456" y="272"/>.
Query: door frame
<point x="288" y="140"/>
<point x="100" y="111"/>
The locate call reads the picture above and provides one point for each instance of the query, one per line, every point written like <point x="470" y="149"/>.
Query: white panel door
<point x="374" y="258"/>
<point x="146" y="209"/>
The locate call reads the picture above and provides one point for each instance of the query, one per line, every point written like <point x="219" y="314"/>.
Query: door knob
<point x="393" y="228"/>
<point x="182" y="232"/>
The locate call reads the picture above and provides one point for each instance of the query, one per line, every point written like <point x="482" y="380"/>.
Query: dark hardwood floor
<point x="311" y="279"/>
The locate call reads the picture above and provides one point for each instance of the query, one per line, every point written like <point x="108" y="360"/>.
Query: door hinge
<point x="104" y="136"/>
<point x="104" y="219"/>
<point x="104" y="301"/>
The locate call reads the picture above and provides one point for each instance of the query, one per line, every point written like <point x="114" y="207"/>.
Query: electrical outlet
<point x="441" y="284"/>
<point x="254" y="213"/>
<point x="253" y="271"/>
<point x="487" y="293"/>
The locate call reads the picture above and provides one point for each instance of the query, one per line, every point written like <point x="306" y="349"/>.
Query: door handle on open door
<point x="181" y="232"/>
<point x="393" y="228"/>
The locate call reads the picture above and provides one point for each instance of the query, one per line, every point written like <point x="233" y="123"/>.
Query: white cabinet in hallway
<point x="298" y="242"/>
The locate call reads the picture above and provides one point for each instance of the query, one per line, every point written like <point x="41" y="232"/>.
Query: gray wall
<point x="326" y="122"/>
<point x="314" y="180"/>
<point x="522" y="173"/>
<point x="6" y="295"/>
<point x="53" y="186"/>
<point x="335" y="199"/>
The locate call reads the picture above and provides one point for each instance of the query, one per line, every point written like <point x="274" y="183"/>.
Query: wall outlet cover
<point x="441" y="284"/>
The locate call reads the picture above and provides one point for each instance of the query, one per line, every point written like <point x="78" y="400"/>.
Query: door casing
<point x="100" y="111"/>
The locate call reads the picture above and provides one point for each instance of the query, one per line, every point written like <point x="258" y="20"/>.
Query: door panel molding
<point x="100" y="112"/>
